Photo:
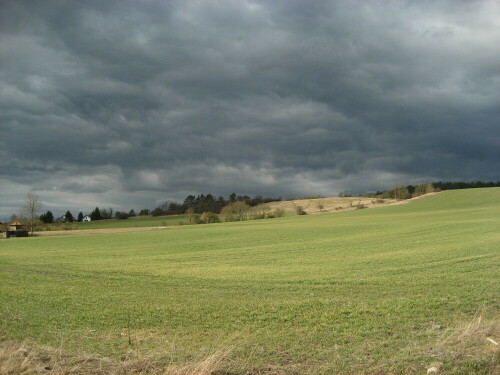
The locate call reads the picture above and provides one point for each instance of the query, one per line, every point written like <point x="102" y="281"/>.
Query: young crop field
<point x="389" y="290"/>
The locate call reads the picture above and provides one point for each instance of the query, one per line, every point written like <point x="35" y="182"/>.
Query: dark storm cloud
<point x="127" y="103"/>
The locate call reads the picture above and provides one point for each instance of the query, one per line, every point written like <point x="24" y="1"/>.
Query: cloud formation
<point x="126" y="103"/>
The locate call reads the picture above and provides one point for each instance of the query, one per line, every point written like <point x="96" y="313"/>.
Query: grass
<point x="132" y="222"/>
<point x="385" y="290"/>
<point x="25" y="359"/>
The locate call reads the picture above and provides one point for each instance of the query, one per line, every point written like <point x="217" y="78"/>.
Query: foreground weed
<point x="25" y="359"/>
<point x="468" y="348"/>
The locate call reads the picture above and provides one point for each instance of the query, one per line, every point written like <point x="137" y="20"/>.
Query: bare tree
<point x="235" y="211"/>
<point x="31" y="208"/>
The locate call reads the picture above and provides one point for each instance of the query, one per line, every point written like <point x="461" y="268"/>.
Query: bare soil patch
<point x="97" y="231"/>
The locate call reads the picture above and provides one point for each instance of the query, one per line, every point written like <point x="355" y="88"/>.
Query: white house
<point x="86" y="218"/>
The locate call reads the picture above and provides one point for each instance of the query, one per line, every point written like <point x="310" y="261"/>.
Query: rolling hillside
<point x="388" y="290"/>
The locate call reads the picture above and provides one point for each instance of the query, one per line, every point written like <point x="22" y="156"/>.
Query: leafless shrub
<point x="235" y="211"/>
<point x="300" y="210"/>
<point x="423" y="189"/>
<point x="209" y="218"/>
<point x="258" y="212"/>
<point x="279" y="212"/>
<point x="397" y="192"/>
<point x="320" y="205"/>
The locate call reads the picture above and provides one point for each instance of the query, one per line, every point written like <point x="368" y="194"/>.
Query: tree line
<point x="449" y="185"/>
<point x="192" y="204"/>
<point x="207" y="203"/>
<point x="408" y="191"/>
<point x="197" y="205"/>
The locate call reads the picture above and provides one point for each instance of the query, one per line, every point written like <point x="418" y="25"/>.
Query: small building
<point x="17" y="225"/>
<point x="61" y="219"/>
<point x="16" y="229"/>
<point x="87" y="218"/>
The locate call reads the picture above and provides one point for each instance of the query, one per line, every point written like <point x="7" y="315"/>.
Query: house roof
<point x="16" y="222"/>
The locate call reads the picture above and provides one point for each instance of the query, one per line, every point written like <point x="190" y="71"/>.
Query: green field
<point x="378" y="291"/>
<point x="132" y="222"/>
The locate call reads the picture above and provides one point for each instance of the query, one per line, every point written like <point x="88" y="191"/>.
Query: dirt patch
<point x="96" y="231"/>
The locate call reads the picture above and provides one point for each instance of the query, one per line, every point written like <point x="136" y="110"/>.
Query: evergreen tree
<point x="80" y="216"/>
<point x="69" y="216"/>
<point x="47" y="217"/>
<point x="96" y="214"/>
<point x="145" y="211"/>
<point x="190" y="201"/>
<point x="131" y="213"/>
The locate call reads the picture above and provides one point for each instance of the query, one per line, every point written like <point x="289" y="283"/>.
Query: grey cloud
<point x="274" y="98"/>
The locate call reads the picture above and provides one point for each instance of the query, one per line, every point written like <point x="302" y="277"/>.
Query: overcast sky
<point x="126" y="104"/>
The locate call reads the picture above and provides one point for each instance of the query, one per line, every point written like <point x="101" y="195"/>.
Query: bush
<point x="279" y="212"/>
<point x="158" y="211"/>
<point x="423" y="189"/>
<point x="192" y="217"/>
<point x="300" y="210"/>
<point x="121" y="215"/>
<point x="259" y="212"/>
<point x="235" y="211"/>
<point x="397" y="192"/>
<point x="195" y="219"/>
<point x="209" y="218"/>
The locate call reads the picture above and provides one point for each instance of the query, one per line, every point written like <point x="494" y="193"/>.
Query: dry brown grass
<point x="320" y="205"/>
<point x="473" y="346"/>
<point x="472" y="338"/>
<point x="24" y="359"/>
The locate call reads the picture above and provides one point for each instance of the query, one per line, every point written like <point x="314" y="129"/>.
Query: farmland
<point x="384" y="290"/>
<point x="133" y="222"/>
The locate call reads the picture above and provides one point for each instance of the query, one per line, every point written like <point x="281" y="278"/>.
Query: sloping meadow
<point x="396" y="289"/>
